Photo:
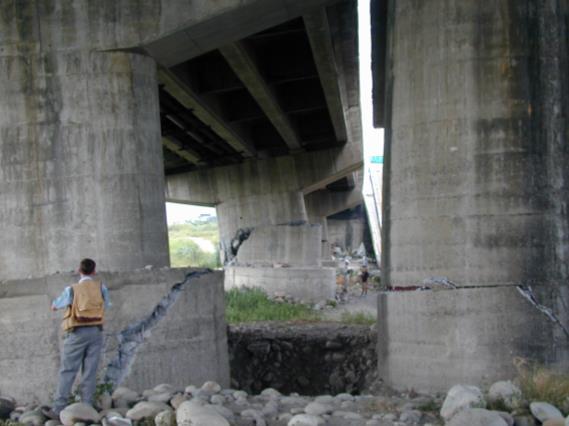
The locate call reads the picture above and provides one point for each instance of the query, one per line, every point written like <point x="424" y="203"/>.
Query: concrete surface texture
<point x="188" y="346"/>
<point x="476" y="187"/>
<point x="297" y="245"/>
<point x="347" y="234"/>
<point x="428" y="340"/>
<point x="82" y="172"/>
<point x="263" y="200"/>
<point x="474" y="166"/>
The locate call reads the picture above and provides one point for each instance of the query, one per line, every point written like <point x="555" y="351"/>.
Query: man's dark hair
<point x="87" y="266"/>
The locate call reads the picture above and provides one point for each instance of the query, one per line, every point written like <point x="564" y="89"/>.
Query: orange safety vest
<point x="88" y="306"/>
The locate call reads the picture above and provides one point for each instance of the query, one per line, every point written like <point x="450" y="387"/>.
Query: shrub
<point x="538" y="383"/>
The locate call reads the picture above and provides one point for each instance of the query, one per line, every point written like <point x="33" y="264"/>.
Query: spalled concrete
<point x="291" y="245"/>
<point x="188" y="346"/>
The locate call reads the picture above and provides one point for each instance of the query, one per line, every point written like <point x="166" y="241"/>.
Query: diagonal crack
<point x="528" y="294"/>
<point x="230" y="251"/>
<point x="132" y="337"/>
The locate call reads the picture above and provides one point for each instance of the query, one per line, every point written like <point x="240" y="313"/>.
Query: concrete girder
<point x="189" y="99"/>
<point x="243" y="64"/>
<point x="320" y="38"/>
<point x="327" y="203"/>
<point x="182" y="36"/>
<point x="187" y="154"/>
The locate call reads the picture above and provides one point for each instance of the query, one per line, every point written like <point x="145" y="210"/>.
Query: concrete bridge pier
<point x="82" y="175"/>
<point x="82" y="172"/>
<point x="476" y="190"/>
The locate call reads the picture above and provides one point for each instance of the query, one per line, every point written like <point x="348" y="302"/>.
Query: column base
<point x="432" y="340"/>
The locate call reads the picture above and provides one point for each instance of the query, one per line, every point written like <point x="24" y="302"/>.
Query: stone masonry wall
<point x="313" y="359"/>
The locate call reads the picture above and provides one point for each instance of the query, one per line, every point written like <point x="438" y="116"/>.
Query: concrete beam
<point x="189" y="99"/>
<point x="320" y="38"/>
<point x="189" y="30"/>
<point x="187" y="154"/>
<point x="243" y="64"/>
<point x="327" y="203"/>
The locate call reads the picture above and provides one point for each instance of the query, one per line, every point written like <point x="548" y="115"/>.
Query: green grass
<point x="208" y="230"/>
<point x="186" y="252"/>
<point x="358" y="318"/>
<point x="249" y="305"/>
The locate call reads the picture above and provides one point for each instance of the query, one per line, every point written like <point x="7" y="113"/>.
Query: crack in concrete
<point x="230" y="253"/>
<point x="133" y="336"/>
<point x="528" y="294"/>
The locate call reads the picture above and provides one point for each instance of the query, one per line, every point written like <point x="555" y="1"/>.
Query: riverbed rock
<point x="554" y="422"/>
<point x="317" y="408"/>
<point x="146" y="409"/>
<point x="115" y="419"/>
<point x="476" y="417"/>
<point x="461" y="397"/>
<point x="193" y="413"/>
<point x="210" y="388"/>
<point x="164" y="397"/>
<point x="78" y="412"/>
<point x="177" y="399"/>
<point x="505" y="392"/>
<point x="544" y="411"/>
<point x="32" y="418"/>
<point x="305" y="420"/>
<point x="125" y="394"/>
<point x="165" y="418"/>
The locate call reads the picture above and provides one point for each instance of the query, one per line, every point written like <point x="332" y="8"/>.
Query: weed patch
<point x="538" y="383"/>
<point x="358" y="318"/>
<point x="252" y="304"/>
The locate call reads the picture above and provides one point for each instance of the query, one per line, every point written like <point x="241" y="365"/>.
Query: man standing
<point x="84" y="303"/>
<point x="364" y="278"/>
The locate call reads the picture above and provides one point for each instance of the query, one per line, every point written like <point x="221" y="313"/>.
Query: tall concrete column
<point x="477" y="184"/>
<point x="326" y="252"/>
<point x="81" y="170"/>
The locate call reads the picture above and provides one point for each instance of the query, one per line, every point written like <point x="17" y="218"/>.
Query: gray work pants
<point x="81" y="349"/>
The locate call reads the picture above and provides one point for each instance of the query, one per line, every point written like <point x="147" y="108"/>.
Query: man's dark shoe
<point x="49" y="413"/>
